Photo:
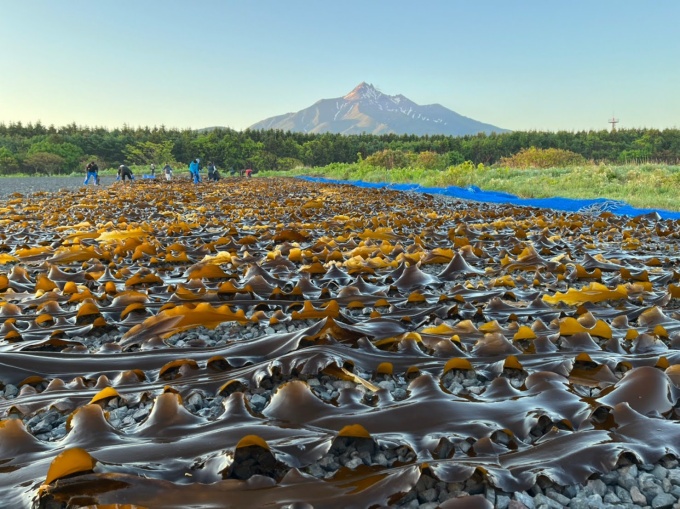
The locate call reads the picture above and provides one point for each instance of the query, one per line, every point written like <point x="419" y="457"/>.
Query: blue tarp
<point x="476" y="194"/>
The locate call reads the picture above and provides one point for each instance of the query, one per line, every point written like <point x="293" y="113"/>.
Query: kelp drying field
<point x="274" y="342"/>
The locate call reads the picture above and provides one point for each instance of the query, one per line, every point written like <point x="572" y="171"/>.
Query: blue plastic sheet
<point x="476" y="194"/>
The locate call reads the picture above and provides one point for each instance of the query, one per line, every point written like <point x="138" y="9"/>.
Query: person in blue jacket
<point x="92" y="173"/>
<point x="194" y="170"/>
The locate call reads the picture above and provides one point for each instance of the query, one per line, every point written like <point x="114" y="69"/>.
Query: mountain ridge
<point x="367" y="110"/>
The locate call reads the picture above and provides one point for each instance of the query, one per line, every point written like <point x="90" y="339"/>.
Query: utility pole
<point x="613" y="121"/>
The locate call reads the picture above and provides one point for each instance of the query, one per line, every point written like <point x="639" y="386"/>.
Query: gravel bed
<point x="28" y="185"/>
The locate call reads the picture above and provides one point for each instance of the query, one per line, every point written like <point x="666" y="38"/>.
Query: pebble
<point x="637" y="496"/>
<point x="663" y="501"/>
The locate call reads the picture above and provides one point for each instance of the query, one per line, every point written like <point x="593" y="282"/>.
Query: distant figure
<point x="153" y="170"/>
<point x="167" y="171"/>
<point x="125" y="173"/>
<point x="249" y="172"/>
<point x="92" y="173"/>
<point x="194" y="170"/>
<point x="212" y="172"/>
<point x="232" y="171"/>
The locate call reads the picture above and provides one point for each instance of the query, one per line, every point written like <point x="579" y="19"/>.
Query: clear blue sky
<point x="520" y="65"/>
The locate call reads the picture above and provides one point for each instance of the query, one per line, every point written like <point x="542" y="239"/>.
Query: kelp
<point x="560" y="317"/>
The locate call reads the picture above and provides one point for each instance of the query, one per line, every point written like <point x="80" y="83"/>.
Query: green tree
<point x="8" y="162"/>
<point x="44" y="163"/>
<point x="147" y="152"/>
<point x="70" y="153"/>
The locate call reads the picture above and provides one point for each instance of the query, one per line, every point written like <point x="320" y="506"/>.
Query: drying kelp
<point x="252" y="342"/>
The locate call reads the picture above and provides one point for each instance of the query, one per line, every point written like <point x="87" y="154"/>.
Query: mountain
<point x="367" y="110"/>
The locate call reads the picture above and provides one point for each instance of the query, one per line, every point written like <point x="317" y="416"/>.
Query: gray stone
<point x="611" y="498"/>
<point x="660" y="472"/>
<point x="535" y="490"/>
<point x="399" y="394"/>
<point x="365" y="457"/>
<point x="557" y="497"/>
<point x="629" y="469"/>
<point x="429" y="495"/>
<point x="455" y="388"/>
<point x="258" y="402"/>
<point x="140" y="414"/>
<point x="195" y="399"/>
<point x="570" y="491"/>
<point x="60" y="432"/>
<point x="353" y="463"/>
<point x="11" y="391"/>
<point x="663" y="501"/>
<point x="649" y="485"/>
<point x="329" y="463"/>
<point x="316" y="470"/>
<point x="579" y="503"/>
<point x="425" y="483"/>
<point x="523" y="496"/>
<point x="596" y="487"/>
<point x="42" y="427"/>
<point x="674" y="477"/>
<point x="594" y="500"/>
<point x="387" y="384"/>
<point x="666" y="485"/>
<point x="637" y="496"/>
<point x="627" y="481"/>
<point x="610" y="477"/>
<point x="380" y="459"/>
<point x="543" y="501"/>
<point x="502" y="501"/>
<point x="623" y="495"/>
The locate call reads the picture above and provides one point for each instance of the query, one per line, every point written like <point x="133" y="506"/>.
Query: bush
<point x="533" y="157"/>
<point x="388" y="159"/>
<point x="9" y="164"/>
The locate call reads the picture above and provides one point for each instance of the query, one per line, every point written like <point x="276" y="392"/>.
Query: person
<point x="125" y="172"/>
<point x="249" y="172"/>
<point x="232" y="171"/>
<point x="92" y="173"/>
<point x="153" y="170"/>
<point x="211" y="171"/>
<point x="194" y="170"/>
<point x="167" y="171"/>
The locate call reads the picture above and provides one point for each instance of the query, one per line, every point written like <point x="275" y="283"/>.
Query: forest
<point x="35" y="149"/>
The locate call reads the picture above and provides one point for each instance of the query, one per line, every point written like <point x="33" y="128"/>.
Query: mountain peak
<point x="362" y="91"/>
<point x="367" y="110"/>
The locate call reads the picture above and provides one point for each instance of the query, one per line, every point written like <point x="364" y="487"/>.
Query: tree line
<point x="39" y="149"/>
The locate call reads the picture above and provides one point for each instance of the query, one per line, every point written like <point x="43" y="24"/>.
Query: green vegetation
<point x="644" y="186"/>
<point x="634" y="165"/>
<point x="278" y="150"/>
<point x="533" y="157"/>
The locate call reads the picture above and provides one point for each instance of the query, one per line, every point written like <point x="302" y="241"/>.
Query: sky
<point x="520" y="65"/>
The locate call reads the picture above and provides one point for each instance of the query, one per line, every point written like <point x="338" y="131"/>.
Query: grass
<point x="644" y="186"/>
